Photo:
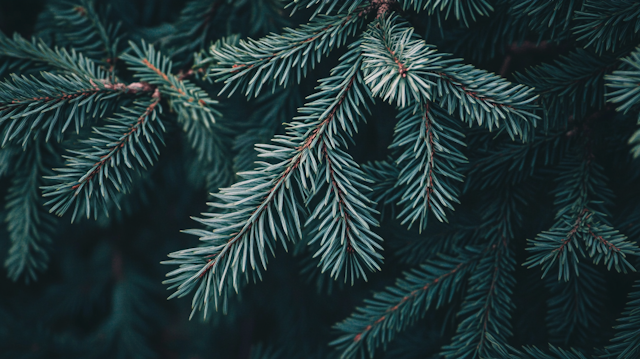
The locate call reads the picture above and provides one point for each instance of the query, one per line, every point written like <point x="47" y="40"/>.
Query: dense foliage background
<point x="101" y="293"/>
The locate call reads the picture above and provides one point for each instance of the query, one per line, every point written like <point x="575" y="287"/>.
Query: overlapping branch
<point x="277" y="59"/>
<point x="264" y="206"/>
<point x="400" y="66"/>
<point x="109" y="160"/>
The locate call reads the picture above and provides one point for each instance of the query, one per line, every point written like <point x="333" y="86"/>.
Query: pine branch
<point x="487" y="306"/>
<point x="58" y="58"/>
<point x="574" y="307"/>
<point x="187" y="99"/>
<point x="400" y="66"/>
<point x="626" y="342"/>
<point x="124" y="333"/>
<point x="191" y="29"/>
<point x="552" y="17"/>
<point x="580" y="235"/>
<point x="79" y="25"/>
<point x="503" y="351"/>
<point x="607" y="24"/>
<point x="580" y="227"/>
<point x="30" y="106"/>
<point x="624" y="83"/>
<point x="428" y="140"/>
<point x="462" y="9"/>
<point x="197" y="112"/>
<point x="394" y="309"/>
<point x="570" y="86"/>
<point x="274" y="59"/>
<point x="344" y="214"/>
<point x="86" y="182"/>
<point x="7" y="154"/>
<point x="515" y="161"/>
<point x="28" y="224"/>
<point x="247" y="223"/>
<point x="489" y="37"/>
<point x="320" y="5"/>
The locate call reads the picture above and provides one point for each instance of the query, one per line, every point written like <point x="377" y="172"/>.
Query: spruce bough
<point x="500" y="197"/>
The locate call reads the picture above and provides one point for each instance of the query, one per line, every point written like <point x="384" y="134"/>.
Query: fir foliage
<point x="466" y="170"/>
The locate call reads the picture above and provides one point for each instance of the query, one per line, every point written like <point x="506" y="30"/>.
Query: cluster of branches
<point x="465" y="139"/>
<point x="308" y="186"/>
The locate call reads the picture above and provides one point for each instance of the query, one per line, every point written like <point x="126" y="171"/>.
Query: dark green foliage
<point x="432" y="155"/>
<point x="466" y="11"/>
<point x="574" y="308"/>
<point x="433" y="284"/>
<point x="572" y="85"/>
<point x="437" y="161"/>
<point x="28" y="223"/>
<point x="287" y="58"/>
<point x="606" y="25"/>
<point x="553" y="17"/>
<point x="625" y="343"/>
<point x="86" y="30"/>
<point x="106" y="163"/>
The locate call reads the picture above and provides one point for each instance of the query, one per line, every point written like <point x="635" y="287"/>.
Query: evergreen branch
<point x="607" y="24"/>
<point x="252" y="63"/>
<point x="609" y="245"/>
<point x="553" y="17"/>
<point x="581" y="198"/>
<point x="504" y="351"/>
<point x="582" y="186"/>
<point x="241" y="229"/>
<point x="187" y="99"/>
<point x="517" y="161"/>
<point x="626" y="342"/>
<point x="124" y="332"/>
<point x="624" y="83"/>
<point x="86" y="183"/>
<point x="28" y="224"/>
<point x="191" y="29"/>
<point x="330" y="5"/>
<point x="574" y="307"/>
<point x="462" y="9"/>
<point x="570" y="86"/>
<point x="394" y="309"/>
<point x="28" y="106"/>
<point x="581" y="234"/>
<point x="7" y="154"/>
<point x="85" y="30"/>
<point x="487" y="306"/>
<point x="195" y="109"/>
<point x="58" y="58"/>
<point x="428" y="138"/>
<point x="344" y="214"/>
<point x="489" y="37"/>
<point x="399" y="65"/>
